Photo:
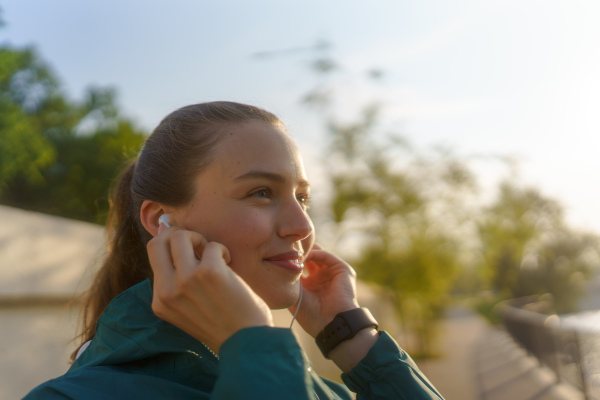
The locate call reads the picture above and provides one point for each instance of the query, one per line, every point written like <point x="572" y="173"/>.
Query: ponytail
<point x="126" y="262"/>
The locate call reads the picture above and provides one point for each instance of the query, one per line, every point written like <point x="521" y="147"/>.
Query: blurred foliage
<point x="401" y="211"/>
<point x="28" y="100"/>
<point x="416" y="227"/>
<point x="56" y="155"/>
<point x="486" y="304"/>
<point x="402" y="220"/>
<point x="527" y="248"/>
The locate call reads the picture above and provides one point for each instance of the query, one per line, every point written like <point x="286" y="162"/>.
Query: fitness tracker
<point x="344" y="326"/>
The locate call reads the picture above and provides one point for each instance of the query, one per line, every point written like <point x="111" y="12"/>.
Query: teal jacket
<point x="136" y="355"/>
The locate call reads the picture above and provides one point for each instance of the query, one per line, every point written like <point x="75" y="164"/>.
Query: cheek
<point x="308" y="243"/>
<point x="244" y="233"/>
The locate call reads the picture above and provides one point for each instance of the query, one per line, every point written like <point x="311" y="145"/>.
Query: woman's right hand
<point x="204" y="298"/>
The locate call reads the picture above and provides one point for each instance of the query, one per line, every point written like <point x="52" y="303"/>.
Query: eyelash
<point x="262" y="190"/>
<point x="303" y="199"/>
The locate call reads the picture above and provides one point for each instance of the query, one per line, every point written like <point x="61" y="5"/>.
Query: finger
<point x="309" y="283"/>
<point x="159" y="255"/>
<point x="333" y="263"/>
<point x="319" y="256"/>
<point x="159" y="248"/>
<point x="184" y="245"/>
<point x="215" y="254"/>
<point x="324" y="257"/>
<point x="311" y="266"/>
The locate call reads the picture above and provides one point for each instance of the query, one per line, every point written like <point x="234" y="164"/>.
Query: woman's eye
<point x="303" y="199"/>
<point x="262" y="193"/>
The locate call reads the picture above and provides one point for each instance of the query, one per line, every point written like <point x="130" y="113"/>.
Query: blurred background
<point x="452" y="148"/>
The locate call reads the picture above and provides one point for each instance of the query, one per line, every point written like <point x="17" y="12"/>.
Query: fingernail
<point x="161" y="227"/>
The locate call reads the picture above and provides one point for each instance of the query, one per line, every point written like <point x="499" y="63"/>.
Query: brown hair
<point x="178" y="149"/>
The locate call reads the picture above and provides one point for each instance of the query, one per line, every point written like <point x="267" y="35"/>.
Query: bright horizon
<point x="511" y="78"/>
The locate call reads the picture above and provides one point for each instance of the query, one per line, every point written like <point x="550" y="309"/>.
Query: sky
<point x="511" y="78"/>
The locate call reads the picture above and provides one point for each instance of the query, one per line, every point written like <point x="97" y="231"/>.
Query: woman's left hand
<point x="329" y="288"/>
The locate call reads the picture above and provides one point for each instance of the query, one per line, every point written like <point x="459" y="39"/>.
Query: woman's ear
<point x="149" y="214"/>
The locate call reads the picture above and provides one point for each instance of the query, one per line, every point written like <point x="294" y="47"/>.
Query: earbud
<point x="165" y="220"/>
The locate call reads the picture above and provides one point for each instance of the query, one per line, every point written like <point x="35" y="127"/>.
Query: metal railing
<point x="570" y="351"/>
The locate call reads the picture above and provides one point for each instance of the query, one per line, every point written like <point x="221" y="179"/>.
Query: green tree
<point x="402" y="212"/>
<point x="527" y="248"/>
<point x="58" y="156"/>
<point x="515" y="219"/>
<point x="28" y="97"/>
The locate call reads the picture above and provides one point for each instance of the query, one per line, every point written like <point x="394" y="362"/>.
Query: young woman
<point x="182" y="309"/>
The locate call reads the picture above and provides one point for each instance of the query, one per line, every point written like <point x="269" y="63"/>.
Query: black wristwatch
<point x="344" y="326"/>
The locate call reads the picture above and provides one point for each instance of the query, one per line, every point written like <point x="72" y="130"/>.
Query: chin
<point x="282" y="300"/>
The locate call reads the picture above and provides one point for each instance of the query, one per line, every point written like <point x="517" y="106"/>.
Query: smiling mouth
<point x="292" y="265"/>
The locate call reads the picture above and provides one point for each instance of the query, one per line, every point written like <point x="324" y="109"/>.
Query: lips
<point x="291" y="261"/>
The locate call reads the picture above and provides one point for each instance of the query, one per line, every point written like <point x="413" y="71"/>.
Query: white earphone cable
<point x="297" y="308"/>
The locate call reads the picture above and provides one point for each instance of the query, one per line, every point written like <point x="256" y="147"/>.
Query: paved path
<point x="483" y="363"/>
<point x="452" y="374"/>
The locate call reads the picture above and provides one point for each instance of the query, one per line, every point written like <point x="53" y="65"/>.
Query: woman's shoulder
<point x="84" y="383"/>
<point x="104" y="382"/>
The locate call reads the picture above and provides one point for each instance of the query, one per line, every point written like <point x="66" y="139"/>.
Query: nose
<point x="294" y="222"/>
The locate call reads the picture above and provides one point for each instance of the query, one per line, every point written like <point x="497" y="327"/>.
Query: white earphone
<point x="165" y="220"/>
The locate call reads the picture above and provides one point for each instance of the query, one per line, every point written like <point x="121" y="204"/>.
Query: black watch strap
<point x="344" y="326"/>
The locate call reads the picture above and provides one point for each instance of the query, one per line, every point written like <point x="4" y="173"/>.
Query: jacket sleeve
<point x="263" y="363"/>
<point x="388" y="372"/>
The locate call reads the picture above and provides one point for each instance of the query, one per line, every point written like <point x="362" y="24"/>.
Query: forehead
<point x="260" y="146"/>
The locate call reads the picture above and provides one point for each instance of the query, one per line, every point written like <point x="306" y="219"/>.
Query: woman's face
<point x="252" y="199"/>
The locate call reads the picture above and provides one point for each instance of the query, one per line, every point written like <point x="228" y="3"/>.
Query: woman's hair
<point x="180" y="147"/>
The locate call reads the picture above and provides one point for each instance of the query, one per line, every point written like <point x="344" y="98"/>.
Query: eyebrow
<point x="269" y="176"/>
